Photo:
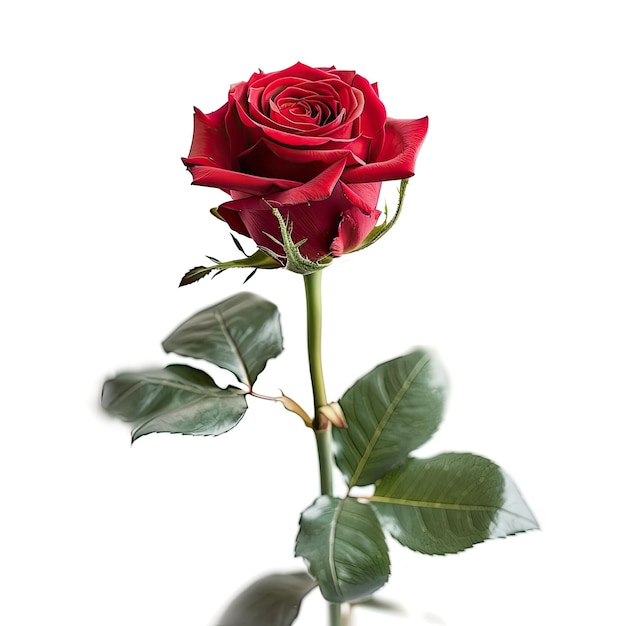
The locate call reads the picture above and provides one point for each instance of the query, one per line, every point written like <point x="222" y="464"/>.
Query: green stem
<point x="313" y="288"/>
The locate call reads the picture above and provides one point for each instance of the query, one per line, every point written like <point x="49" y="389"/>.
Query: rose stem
<point x="313" y="288"/>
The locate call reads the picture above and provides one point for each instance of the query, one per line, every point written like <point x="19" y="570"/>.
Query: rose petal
<point x="403" y="139"/>
<point x="209" y="137"/>
<point x="268" y="159"/>
<point x="261" y="79"/>
<point x="320" y="188"/>
<point x="362" y="195"/>
<point x="258" y="130"/>
<point x="354" y="227"/>
<point x="233" y="219"/>
<point x="252" y="101"/>
<point x="347" y="76"/>
<point x="317" y="221"/>
<point x="374" y="113"/>
<point x="206" y="174"/>
<point x="236" y="130"/>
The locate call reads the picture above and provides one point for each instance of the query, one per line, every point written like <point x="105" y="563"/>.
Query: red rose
<point x="314" y="143"/>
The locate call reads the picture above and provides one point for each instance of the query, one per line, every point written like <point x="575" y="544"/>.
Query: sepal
<point x="382" y="229"/>
<point x="292" y="259"/>
<point x="258" y="260"/>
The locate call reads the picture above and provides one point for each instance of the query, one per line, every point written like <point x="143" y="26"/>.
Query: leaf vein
<point x="453" y="506"/>
<point x="234" y="346"/>
<point x="402" y="391"/>
<point x="331" y="545"/>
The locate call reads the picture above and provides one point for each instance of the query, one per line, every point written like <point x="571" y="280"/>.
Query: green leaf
<point x="273" y="600"/>
<point x="177" y="399"/>
<point x="390" y="411"/>
<point x="449" y="503"/>
<point x="344" y="547"/>
<point x="239" y="334"/>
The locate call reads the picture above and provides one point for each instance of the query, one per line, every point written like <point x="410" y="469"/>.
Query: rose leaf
<point x="390" y="411"/>
<point x="239" y="334"/>
<point x="176" y="399"/>
<point x="450" y="502"/>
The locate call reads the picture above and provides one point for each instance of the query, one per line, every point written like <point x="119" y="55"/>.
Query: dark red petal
<point x="360" y="148"/>
<point x="316" y="221"/>
<point x="254" y="108"/>
<point x="374" y="114"/>
<point x="403" y="139"/>
<point x="353" y="228"/>
<point x="258" y="130"/>
<point x="268" y="159"/>
<point x="207" y="175"/>
<point x="210" y="139"/>
<point x="319" y="188"/>
<point x="299" y="70"/>
<point x="321" y="222"/>
<point x="347" y="76"/>
<point x="364" y="196"/>
<point x="233" y="219"/>
<point x="238" y="133"/>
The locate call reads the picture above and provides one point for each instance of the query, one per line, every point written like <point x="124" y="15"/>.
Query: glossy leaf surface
<point x="449" y="503"/>
<point x="176" y="399"/>
<point x="273" y="600"/>
<point x="392" y="410"/>
<point x="239" y="334"/>
<point x="344" y="547"/>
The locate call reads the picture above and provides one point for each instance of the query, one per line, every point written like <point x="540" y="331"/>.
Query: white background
<point x="508" y="260"/>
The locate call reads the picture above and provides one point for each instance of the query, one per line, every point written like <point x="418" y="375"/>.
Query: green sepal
<point x="292" y="259"/>
<point x="382" y="229"/>
<point x="258" y="260"/>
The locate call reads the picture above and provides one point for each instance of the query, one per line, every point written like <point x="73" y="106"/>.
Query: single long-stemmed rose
<point x="302" y="153"/>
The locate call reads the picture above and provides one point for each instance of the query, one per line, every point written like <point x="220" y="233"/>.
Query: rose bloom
<point x="316" y="143"/>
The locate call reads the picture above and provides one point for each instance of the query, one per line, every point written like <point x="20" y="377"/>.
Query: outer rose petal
<point x="362" y="195"/>
<point x="318" y="221"/>
<point x="403" y="139"/>
<point x="353" y="228"/>
<point x="210" y="139"/>
<point x="205" y="174"/>
<point x="300" y="70"/>
<point x="320" y="188"/>
<point x="268" y="159"/>
<point x="374" y="114"/>
<point x="210" y="161"/>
